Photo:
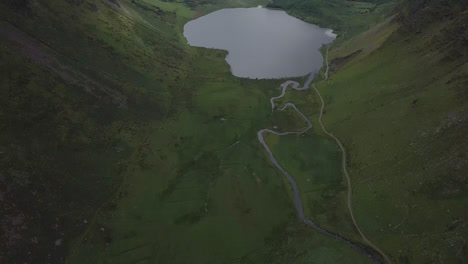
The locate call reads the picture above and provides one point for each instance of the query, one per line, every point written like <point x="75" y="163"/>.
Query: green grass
<point x="347" y="18"/>
<point x="396" y="117"/>
<point x="315" y="163"/>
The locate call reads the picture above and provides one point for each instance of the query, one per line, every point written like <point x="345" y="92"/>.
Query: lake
<point x="262" y="43"/>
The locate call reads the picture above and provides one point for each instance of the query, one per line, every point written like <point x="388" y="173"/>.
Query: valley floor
<point x="122" y="144"/>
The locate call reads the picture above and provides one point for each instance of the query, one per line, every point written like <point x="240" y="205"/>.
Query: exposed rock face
<point x="338" y="63"/>
<point x="416" y="17"/>
<point x="417" y="14"/>
<point x="112" y="2"/>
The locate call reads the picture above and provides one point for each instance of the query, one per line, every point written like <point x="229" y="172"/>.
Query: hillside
<point x="78" y="92"/>
<point x="347" y="18"/>
<point x="122" y="144"/>
<point x="397" y="98"/>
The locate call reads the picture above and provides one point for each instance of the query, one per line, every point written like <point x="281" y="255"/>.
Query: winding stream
<point x="297" y="196"/>
<point x="262" y="44"/>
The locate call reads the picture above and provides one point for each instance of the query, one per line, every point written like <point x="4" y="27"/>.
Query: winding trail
<point x="345" y="170"/>
<point x="297" y="198"/>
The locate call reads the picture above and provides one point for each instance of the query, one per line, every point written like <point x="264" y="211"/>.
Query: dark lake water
<point x="262" y="43"/>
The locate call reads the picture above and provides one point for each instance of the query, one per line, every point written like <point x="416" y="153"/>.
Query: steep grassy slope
<point x="348" y="18"/>
<point x="77" y="89"/>
<point x="398" y="100"/>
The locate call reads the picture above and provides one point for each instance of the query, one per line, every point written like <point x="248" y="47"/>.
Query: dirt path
<point x="345" y="171"/>
<point x="296" y="192"/>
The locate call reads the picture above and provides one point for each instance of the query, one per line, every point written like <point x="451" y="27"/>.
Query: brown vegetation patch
<point x="337" y="63"/>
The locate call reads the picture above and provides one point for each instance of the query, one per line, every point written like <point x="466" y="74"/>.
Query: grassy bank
<point x="396" y="98"/>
